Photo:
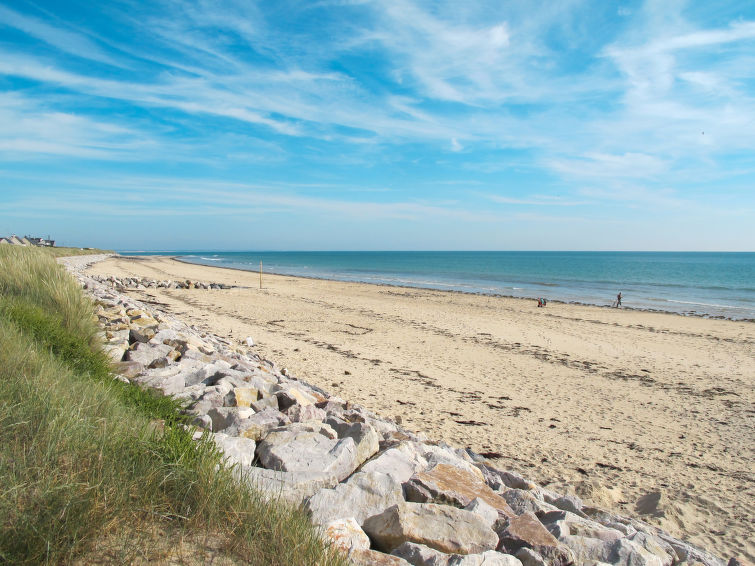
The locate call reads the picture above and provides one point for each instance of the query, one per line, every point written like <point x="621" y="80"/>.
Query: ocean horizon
<point x="710" y="284"/>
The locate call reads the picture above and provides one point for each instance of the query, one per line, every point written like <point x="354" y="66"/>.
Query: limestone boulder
<point x="621" y="552"/>
<point x="148" y="355"/>
<point x="489" y="558"/>
<point x="226" y="417"/>
<point x="264" y="384"/>
<point x="690" y="553"/>
<point x="522" y="501"/>
<point x="570" y="503"/>
<point x="291" y="450"/>
<point x="526" y="531"/>
<point x="497" y="479"/>
<point x="529" y="557"/>
<point x="203" y="422"/>
<point x="484" y="510"/>
<point x="242" y="396"/>
<point x="364" y="495"/>
<point x="565" y="523"/>
<point x="454" y="486"/>
<point x="259" y="424"/>
<point x="421" y="555"/>
<point x="265" y="402"/>
<point x="346" y="535"/>
<point x="171" y="337"/>
<point x="441" y="527"/>
<point x="291" y="396"/>
<point x="374" y="558"/>
<point x="167" y="384"/>
<point x="364" y="436"/>
<point x="236" y="450"/>
<point x="301" y="413"/>
<point x="655" y="546"/>
<point x="291" y="487"/>
<point x="208" y="373"/>
<point x="128" y="369"/>
<point x="138" y="333"/>
<point x="115" y="352"/>
<point x="443" y="454"/>
<point x="400" y="462"/>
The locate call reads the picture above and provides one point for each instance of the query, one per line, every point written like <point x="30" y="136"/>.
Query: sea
<point x="710" y="284"/>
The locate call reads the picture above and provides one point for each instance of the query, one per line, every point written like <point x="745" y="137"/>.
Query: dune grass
<point x="64" y="251"/>
<point x="86" y="476"/>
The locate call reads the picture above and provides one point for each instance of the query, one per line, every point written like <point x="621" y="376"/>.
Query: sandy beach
<point x="609" y="404"/>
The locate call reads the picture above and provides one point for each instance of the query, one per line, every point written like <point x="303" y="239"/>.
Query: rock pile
<point x="121" y="283"/>
<point x="381" y="494"/>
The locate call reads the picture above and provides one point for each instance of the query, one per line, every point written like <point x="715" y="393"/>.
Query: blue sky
<point x="342" y="125"/>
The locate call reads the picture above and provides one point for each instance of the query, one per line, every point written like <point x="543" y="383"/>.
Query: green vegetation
<point x="61" y="251"/>
<point x="96" y="471"/>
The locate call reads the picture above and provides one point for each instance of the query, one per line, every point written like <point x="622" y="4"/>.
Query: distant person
<point x="618" y="300"/>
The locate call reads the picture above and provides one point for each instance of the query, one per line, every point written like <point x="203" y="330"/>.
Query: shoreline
<point x="500" y="295"/>
<point x="608" y="404"/>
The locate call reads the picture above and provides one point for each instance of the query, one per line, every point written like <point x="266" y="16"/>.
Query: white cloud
<point x="536" y="200"/>
<point x="628" y="165"/>
<point x="65" y="40"/>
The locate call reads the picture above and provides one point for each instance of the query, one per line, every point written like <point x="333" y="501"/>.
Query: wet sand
<point x="606" y="403"/>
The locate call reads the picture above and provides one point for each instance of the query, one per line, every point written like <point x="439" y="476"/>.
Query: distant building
<point x="41" y="241"/>
<point x="26" y="241"/>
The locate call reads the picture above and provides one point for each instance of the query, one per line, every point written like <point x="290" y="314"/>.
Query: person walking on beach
<point x="618" y="300"/>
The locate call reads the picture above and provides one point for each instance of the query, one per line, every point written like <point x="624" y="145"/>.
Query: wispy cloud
<point x="367" y="109"/>
<point x="537" y="200"/>
<point x="58" y="37"/>
<point x="628" y="165"/>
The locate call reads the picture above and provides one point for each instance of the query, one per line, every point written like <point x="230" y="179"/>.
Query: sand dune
<point x="614" y="404"/>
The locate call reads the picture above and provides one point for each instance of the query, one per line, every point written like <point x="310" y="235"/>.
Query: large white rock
<point x="346" y="535"/>
<point x="375" y="558"/>
<point x="654" y="545"/>
<point x="259" y="424"/>
<point x="561" y="523"/>
<point x="448" y="484"/>
<point x="421" y="555"/>
<point x="441" y="455"/>
<point x="146" y="354"/>
<point x="441" y="527"/>
<point x="302" y="413"/>
<point x="364" y="495"/>
<point x="400" y="462"/>
<point x="484" y="510"/>
<point x="489" y="558"/>
<point x="621" y="552"/>
<point x="236" y="450"/>
<point x="209" y="373"/>
<point x="365" y="437"/>
<point x="690" y="553"/>
<point x="523" y="501"/>
<point x="167" y="384"/>
<point x="292" y="487"/>
<point x="226" y="417"/>
<point x="291" y="450"/>
<point x="115" y="351"/>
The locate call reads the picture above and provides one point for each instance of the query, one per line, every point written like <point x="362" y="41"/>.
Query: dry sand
<point x="614" y="404"/>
